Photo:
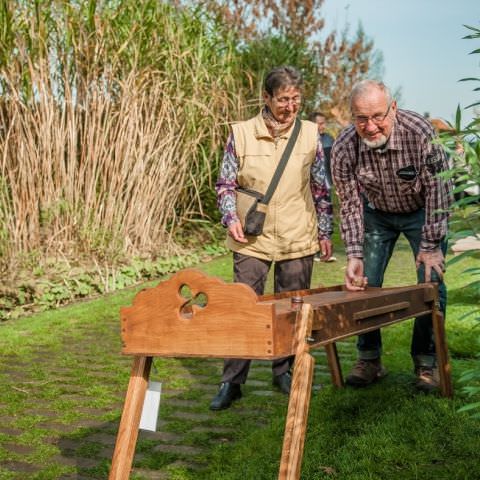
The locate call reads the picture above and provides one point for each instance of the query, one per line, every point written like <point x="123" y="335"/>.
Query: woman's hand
<point x="235" y="230"/>
<point x="326" y="249"/>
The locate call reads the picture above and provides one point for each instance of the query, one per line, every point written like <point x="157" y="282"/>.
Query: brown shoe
<point x="428" y="378"/>
<point x="365" y="372"/>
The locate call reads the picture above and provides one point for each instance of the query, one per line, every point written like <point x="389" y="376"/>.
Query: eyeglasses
<point x="284" y="101"/>
<point x="376" y="119"/>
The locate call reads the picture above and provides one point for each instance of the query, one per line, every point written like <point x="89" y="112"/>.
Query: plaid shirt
<point x="227" y="184"/>
<point x="399" y="178"/>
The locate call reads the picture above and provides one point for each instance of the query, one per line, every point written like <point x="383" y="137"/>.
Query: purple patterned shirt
<point x="227" y="184"/>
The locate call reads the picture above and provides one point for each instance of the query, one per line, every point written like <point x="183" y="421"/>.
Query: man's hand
<point x="235" y="230"/>
<point x="326" y="249"/>
<point x="354" y="279"/>
<point x="435" y="260"/>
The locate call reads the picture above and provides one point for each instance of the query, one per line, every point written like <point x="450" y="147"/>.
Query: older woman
<point x="298" y="220"/>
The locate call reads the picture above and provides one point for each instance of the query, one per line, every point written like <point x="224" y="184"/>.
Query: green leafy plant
<point x="67" y="285"/>
<point x="463" y="148"/>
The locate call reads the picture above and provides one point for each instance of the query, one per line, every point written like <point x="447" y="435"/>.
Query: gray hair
<point x="364" y="87"/>
<point x="313" y="116"/>
<point x="280" y="77"/>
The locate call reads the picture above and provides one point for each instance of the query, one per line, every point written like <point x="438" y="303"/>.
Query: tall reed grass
<point x="111" y="115"/>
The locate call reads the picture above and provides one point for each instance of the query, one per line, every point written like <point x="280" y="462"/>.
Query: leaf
<point x="469" y="375"/>
<point x="468" y="314"/>
<point x="473" y="105"/>
<point x="462" y="202"/>
<point x="461" y="234"/>
<point x="475" y="284"/>
<point x="468" y="407"/>
<point x="458" y="118"/>
<point x="470" y="27"/>
<point x="458" y="258"/>
<point x="471" y="390"/>
<point x="472" y="270"/>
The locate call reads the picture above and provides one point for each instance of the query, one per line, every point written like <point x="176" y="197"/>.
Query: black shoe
<point x="226" y="395"/>
<point x="283" y="382"/>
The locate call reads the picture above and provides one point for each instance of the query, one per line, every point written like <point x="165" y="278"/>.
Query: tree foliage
<point x="258" y="18"/>
<point x="274" y="32"/>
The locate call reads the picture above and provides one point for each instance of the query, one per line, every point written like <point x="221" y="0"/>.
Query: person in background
<point x="327" y="142"/>
<point x="385" y="169"/>
<point x="298" y="219"/>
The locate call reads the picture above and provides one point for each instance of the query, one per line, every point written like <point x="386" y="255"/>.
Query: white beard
<point x="375" y="143"/>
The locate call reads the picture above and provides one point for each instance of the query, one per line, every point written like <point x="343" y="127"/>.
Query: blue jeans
<point x="382" y="230"/>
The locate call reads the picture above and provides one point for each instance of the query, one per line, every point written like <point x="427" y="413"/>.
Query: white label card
<point x="151" y="407"/>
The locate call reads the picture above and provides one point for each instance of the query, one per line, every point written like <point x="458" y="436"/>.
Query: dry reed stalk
<point x="104" y="158"/>
<point x="125" y="179"/>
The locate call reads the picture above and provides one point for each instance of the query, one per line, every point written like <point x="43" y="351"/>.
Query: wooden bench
<point x="232" y="321"/>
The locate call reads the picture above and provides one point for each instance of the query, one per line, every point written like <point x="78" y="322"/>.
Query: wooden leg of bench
<point x="444" y="368"/>
<point x="130" y="421"/>
<point x="334" y="364"/>
<point x="299" y="401"/>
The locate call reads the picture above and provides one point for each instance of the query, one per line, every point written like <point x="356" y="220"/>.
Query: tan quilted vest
<point x="290" y="229"/>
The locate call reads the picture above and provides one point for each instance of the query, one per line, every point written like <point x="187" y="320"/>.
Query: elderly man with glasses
<point x="385" y="169"/>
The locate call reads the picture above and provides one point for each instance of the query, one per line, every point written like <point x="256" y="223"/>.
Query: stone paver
<point x="259" y="383"/>
<point x="151" y="474"/>
<point x="182" y="449"/>
<point x="212" y="429"/>
<point x="19" y="449"/>
<point x="106" y="452"/>
<point x="19" y="467"/>
<point x="263" y="393"/>
<point x="9" y="431"/>
<point x="198" y="417"/>
<point x="80" y="462"/>
<point x="74" y="476"/>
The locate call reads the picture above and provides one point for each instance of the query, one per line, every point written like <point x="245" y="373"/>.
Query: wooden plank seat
<point x="230" y="320"/>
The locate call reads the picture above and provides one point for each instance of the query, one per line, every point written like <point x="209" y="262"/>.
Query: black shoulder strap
<point x="283" y="162"/>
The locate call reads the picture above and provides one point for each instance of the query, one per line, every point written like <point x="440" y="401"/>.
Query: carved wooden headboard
<point x="226" y="320"/>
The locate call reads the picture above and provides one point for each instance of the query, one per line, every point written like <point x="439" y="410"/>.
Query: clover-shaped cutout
<point x="187" y="308"/>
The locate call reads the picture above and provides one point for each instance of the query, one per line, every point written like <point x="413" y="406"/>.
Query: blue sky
<point x="422" y="46"/>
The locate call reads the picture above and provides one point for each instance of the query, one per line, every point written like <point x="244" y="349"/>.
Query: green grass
<point x="62" y="383"/>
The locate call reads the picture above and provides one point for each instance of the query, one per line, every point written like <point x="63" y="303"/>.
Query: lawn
<point x="62" y="383"/>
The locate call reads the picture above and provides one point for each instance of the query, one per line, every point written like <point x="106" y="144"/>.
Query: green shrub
<point x="463" y="147"/>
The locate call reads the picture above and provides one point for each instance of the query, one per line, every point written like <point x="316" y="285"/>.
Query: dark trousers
<point x="289" y="275"/>
<point x="381" y="233"/>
